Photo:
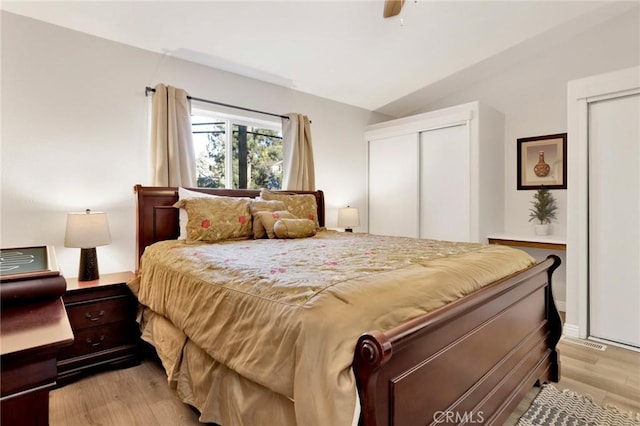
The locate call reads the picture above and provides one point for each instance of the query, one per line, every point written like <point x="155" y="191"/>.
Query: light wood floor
<point x="610" y="377"/>
<point x="140" y="396"/>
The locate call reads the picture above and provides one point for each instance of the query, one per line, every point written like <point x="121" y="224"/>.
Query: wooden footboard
<point x="471" y="361"/>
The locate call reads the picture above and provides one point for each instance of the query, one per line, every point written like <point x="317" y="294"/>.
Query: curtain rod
<point x="151" y="89"/>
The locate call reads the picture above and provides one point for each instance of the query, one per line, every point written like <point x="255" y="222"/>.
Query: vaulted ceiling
<point x="341" y="50"/>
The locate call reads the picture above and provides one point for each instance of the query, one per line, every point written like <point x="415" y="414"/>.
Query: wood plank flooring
<point x="140" y="396"/>
<point x="127" y="397"/>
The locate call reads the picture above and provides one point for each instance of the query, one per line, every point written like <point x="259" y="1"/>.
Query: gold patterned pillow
<point x="182" y="216"/>
<point x="263" y="206"/>
<point x="217" y="219"/>
<point x="294" y="228"/>
<point x="270" y="218"/>
<point x="303" y="206"/>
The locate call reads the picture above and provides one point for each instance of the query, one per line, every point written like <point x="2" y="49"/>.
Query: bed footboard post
<point x="554" y="321"/>
<point x="372" y="350"/>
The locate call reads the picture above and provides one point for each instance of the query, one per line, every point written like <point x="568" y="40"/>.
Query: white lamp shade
<point x="348" y="217"/>
<point x="87" y="230"/>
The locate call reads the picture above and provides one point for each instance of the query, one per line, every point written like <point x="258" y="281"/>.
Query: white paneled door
<point x="444" y="184"/>
<point x="614" y="219"/>
<point x="393" y="186"/>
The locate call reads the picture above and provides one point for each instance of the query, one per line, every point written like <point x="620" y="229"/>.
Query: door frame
<point x="580" y="93"/>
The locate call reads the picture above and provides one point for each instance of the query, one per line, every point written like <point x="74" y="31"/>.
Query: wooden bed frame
<point x="471" y="361"/>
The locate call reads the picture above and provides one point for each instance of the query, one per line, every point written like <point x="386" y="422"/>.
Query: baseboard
<point x="571" y="330"/>
<point x="561" y="305"/>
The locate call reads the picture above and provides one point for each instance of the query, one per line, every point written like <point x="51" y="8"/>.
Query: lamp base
<point x="88" y="265"/>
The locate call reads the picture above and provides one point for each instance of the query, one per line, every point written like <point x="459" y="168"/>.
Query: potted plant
<point x="543" y="211"/>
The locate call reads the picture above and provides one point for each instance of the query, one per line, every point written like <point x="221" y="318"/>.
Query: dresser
<point x="34" y="326"/>
<point x="31" y="335"/>
<point x="102" y="315"/>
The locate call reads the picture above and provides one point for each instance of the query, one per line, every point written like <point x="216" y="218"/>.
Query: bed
<point x="470" y="359"/>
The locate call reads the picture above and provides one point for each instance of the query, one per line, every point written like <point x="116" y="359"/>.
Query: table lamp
<point x="347" y="218"/>
<point x="87" y="230"/>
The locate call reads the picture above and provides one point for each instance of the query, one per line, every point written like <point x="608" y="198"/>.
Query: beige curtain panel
<point x="299" y="171"/>
<point x="173" y="159"/>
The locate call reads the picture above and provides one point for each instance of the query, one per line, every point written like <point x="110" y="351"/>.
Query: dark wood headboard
<point x="157" y="219"/>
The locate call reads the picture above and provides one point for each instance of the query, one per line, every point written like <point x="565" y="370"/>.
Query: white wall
<point x="74" y="133"/>
<point x="533" y="97"/>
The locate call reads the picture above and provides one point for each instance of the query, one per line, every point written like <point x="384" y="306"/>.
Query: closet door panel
<point x="393" y="186"/>
<point x="614" y="219"/>
<point x="444" y="184"/>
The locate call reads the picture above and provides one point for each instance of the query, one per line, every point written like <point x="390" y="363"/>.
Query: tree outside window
<point x="255" y="154"/>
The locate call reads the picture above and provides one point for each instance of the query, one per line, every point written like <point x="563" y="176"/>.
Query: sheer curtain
<point x="299" y="172"/>
<point x="173" y="159"/>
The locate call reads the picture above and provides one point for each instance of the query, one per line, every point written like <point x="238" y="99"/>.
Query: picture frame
<point x="542" y="161"/>
<point x="27" y="263"/>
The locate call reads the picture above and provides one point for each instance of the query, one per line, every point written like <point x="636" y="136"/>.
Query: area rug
<point x="554" y="407"/>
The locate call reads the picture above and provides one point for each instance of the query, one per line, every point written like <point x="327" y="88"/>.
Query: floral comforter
<point x="286" y="314"/>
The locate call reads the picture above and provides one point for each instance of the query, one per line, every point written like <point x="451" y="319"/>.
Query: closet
<point x="437" y="175"/>
<point x="614" y="219"/>
<point x="603" y="229"/>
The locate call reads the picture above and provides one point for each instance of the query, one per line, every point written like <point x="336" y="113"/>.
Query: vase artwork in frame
<point x="542" y="161"/>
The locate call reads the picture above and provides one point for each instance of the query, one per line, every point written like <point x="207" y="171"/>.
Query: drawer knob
<point x="92" y="318"/>
<point x="90" y="341"/>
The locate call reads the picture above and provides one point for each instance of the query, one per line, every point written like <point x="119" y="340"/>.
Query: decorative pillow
<point x="269" y="219"/>
<point x="303" y="206"/>
<point x="294" y="228"/>
<point x="263" y="206"/>
<point x="217" y="219"/>
<point x="184" y="194"/>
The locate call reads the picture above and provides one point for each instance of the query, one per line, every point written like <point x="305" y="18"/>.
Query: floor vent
<point x="585" y="343"/>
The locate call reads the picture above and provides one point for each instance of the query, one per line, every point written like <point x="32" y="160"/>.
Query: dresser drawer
<point x="98" y="339"/>
<point x="100" y="312"/>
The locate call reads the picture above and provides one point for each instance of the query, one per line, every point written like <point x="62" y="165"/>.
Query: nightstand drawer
<point x="102" y="314"/>
<point x="98" y="339"/>
<point x="99" y="312"/>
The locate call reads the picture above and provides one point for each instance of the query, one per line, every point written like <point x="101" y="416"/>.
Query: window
<point x="234" y="152"/>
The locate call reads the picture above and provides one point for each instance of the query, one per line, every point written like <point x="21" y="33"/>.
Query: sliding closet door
<point x="614" y="219"/>
<point x="444" y="184"/>
<point x="393" y="186"/>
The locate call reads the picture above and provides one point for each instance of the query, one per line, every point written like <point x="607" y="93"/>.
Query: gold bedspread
<point x="286" y="314"/>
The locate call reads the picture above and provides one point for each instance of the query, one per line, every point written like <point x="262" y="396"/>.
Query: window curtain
<point x="173" y="160"/>
<point x="297" y="152"/>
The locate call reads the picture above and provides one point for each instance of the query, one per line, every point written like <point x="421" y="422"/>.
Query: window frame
<point x="231" y="120"/>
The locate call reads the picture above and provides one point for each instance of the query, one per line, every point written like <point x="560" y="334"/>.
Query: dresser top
<point x="34" y="326"/>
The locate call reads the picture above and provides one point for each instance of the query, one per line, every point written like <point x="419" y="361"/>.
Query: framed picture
<point x="27" y="263"/>
<point x="542" y="160"/>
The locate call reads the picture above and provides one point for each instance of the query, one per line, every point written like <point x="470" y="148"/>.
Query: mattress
<point x="285" y="315"/>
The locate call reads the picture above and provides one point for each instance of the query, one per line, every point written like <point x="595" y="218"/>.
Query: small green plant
<point x="544" y="207"/>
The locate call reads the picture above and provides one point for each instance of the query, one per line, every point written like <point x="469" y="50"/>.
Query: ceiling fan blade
<point x="392" y="8"/>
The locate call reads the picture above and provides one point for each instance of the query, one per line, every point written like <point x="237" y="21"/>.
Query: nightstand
<point x="102" y="314"/>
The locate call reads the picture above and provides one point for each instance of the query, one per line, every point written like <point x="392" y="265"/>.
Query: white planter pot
<point x="542" y="229"/>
